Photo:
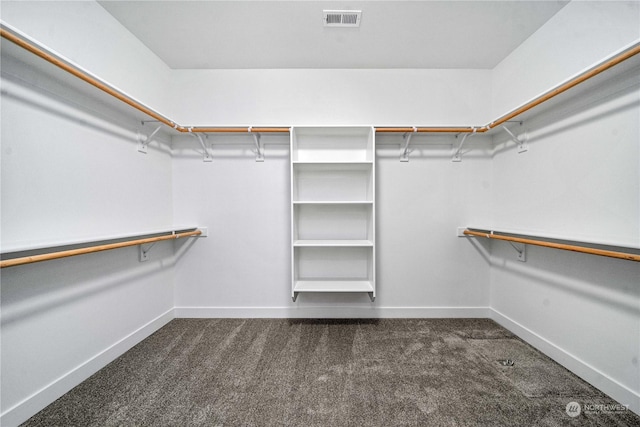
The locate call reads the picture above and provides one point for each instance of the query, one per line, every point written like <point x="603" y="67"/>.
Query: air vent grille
<point x="342" y="18"/>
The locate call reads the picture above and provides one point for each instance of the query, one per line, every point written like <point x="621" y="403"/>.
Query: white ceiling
<point x="290" y="34"/>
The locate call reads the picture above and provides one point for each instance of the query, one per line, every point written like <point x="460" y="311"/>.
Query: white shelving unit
<point x="333" y="210"/>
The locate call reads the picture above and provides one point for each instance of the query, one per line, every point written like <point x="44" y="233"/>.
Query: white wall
<point x="244" y="268"/>
<point x="579" y="180"/>
<point x="331" y="97"/>
<point x="70" y="170"/>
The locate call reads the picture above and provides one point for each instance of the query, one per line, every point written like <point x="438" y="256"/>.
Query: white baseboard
<point x="24" y="410"/>
<point x="593" y="376"/>
<point x="332" y="312"/>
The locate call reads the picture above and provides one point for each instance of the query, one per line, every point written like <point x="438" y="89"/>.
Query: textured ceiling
<point x="290" y="34"/>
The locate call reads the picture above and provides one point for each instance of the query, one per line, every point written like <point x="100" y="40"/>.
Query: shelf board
<point x="337" y="162"/>
<point x="332" y="243"/>
<point x="333" y="202"/>
<point x="26" y="246"/>
<point x="333" y="286"/>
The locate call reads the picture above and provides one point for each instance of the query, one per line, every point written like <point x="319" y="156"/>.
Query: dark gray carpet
<point x="277" y="372"/>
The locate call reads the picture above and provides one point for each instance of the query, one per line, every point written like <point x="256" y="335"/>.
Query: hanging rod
<point x="23" y="42"/>
<point x="96" y="248"/>
<point x="425" y="129"/>
<point x="250" y="129"/>
<point x="533" y="240"/>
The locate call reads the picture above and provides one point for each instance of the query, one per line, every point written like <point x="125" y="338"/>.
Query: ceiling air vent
<point x="341" y="18"/>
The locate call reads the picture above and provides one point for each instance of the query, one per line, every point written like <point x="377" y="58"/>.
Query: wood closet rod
<point x="20" y="41"/>
<point x="91" y="249"/>
<point x="427" y="129"/>
<point x="237" y="129"/>
<point x="546" y="244"/>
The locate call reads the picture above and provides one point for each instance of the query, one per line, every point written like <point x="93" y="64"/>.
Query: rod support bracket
<point x="143" y="140"/>
<point x="404" y="152"/>
<point x="522" y="252"/>
<point x="520" y="141"/>
<point x="457" y="154"/>
<point x="206" y="154"/>
<point x="259" y="151"/>
<point x="143" y="254"/>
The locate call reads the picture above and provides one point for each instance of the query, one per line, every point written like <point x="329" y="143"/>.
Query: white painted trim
<point x="593" y="376"/>
<point x="332" y="312"/>
<point x="33" y="404"/>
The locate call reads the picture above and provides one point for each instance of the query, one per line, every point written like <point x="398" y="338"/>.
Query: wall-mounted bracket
<point x="521" y="141"/>
<point x="457" y="155"/>
<point x="143" y="250"/>
<point x="404" y="151"/>
<point x="522" y="252"/>
<point x="207" y="156"/>
<point x="259" y="146"/>
<point x="143" y="254"/>
<point x="143" y="141"/>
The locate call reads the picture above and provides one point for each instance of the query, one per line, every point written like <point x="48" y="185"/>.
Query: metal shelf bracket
<point x="143" y="254"/>
<point x="143" y="141"/>
<point x="457" y="155"/>
<point x="259" y="146"/>
<point x="522" y="252"/>
<point x="404" y="152"/>
<point x="521" y="141"/>
<point x="207" y="156"/>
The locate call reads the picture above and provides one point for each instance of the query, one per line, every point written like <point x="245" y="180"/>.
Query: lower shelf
<point x="333" y="243"/>
<point x="333" y="286"/>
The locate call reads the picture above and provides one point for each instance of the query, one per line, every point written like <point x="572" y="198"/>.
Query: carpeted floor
<point x="278" y="372"/>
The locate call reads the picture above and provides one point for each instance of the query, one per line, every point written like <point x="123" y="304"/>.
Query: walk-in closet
<point x="313" y="213"/>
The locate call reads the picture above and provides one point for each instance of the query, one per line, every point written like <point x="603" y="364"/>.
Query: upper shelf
<point x="27" y="246"/>
<point x="98" y="245"/>
<point x="38" y="56"/>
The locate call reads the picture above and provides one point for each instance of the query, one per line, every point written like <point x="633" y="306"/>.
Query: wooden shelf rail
<point x="532" y="240"/>
<point x="32" y="47"/>
<point x="97" y="248"/>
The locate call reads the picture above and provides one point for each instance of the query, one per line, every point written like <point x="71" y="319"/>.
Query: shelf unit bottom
<point x="333" y="286"/>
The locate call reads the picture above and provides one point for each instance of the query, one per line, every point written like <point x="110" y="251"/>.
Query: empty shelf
<point x="333" y="286"/>
<point x="329" y="243"/>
